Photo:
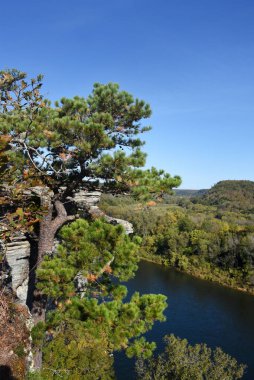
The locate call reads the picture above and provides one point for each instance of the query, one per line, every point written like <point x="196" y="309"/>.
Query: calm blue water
<point x="198" y="310"/>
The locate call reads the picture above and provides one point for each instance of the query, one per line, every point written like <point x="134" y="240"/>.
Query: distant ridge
<point x="190" y="193"/>
<point x="232" y="195"/>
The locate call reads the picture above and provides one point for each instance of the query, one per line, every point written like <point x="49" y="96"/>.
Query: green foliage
<point x="76" y="354"/>
<point x="118" y="321"/>
<point x="82" y="334"/>
<point x="38" y="333"/>
<point x="181" y="361"/>
<point x="153" y="182"/>
<point x="20" y="105"/>
<point x="20" y="351"/>
<point x="141" y="348"/>
<point x="90" y="250"/>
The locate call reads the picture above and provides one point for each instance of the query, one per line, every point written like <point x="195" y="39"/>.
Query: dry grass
<point x="14" y="336"/>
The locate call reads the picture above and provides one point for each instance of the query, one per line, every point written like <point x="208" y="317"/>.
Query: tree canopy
<point x="182" y="361"/>
<point x="80" y="141"/>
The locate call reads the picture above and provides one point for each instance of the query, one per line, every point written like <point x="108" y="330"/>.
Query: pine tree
<point x="79" y="144"/>
<point x="85" y="328"/>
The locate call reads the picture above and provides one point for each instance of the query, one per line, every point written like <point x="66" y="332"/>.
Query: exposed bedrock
<point x="88" y="202"/>
<point x="17" y="253"/>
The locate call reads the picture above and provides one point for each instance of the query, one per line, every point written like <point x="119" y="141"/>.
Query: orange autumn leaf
<point x="91" y="277"/>
<point x="48" y="133"/>
<point x="108" y="269"/>
<point x="151" y="204"/>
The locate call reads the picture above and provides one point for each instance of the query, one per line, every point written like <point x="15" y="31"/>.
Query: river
<point x="198" y="310"/>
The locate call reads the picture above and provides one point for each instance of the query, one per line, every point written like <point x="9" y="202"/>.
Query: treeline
<point x="205" y="241"/>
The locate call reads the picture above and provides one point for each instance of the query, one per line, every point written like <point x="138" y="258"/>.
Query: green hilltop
<point x="231" y="195"/>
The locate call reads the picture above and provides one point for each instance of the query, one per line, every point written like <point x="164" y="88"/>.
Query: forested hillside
<point x="190" y="193"/>
<point x="231" y="195"/>
<point x="207" y="241"/>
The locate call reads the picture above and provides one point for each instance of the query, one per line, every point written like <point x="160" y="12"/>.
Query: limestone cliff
<point x="17" y="255"/>
<point x="88" y="202"/>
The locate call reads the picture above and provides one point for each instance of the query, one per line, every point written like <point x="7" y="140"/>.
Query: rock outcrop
<point x="87" y="202"/>
<point x="15" y="266"/>
<point x="17" y="254"/>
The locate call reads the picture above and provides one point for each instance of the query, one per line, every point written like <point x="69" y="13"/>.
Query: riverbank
<point x="204" y="241"/>
<point x="204" y="271"/>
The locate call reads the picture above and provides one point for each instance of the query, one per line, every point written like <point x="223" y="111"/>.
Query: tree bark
<point x="50" y="226"/>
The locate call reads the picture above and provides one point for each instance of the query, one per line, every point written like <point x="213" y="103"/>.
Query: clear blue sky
<point x="192" y="60"/>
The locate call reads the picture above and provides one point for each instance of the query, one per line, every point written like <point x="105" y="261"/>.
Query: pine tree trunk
<point x="46" y="236"/>
<point x="49" y="226"/>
